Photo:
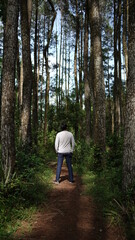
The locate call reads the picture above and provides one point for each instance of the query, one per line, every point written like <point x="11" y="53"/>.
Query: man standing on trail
<point x="64" y="146"/>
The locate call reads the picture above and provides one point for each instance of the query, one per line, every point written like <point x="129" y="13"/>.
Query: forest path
<point x="69" y="215"/>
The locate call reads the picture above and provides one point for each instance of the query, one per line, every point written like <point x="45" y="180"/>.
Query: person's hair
<point x="63" y="126"/>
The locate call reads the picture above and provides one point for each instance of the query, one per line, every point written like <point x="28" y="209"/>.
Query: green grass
<point x="105" y="191"/>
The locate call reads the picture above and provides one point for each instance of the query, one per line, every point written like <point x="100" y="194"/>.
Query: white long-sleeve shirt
<point x="64" y="142"/>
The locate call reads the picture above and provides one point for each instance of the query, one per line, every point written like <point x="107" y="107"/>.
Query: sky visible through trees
<point x="107" y="51"/>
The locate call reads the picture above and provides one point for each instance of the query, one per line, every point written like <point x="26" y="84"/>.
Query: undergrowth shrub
<point x="28" y="189"/>
<point x="83" y="157"/>
<point x="103" y="182"/>
<point x="47" y="152"/>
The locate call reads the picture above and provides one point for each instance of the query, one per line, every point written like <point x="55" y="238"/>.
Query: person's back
<point x="64" y="142"/>
<point x="64" y="146"/>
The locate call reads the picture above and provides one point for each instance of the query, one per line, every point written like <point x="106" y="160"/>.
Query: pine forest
<point x="70" y="61"/>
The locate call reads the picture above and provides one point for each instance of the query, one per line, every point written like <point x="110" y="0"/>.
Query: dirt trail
<point x="70" y="215"/>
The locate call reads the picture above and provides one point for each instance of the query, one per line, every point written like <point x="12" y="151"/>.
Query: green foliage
<point x="87" y="157"/>
<point x="47" y="152"/>
<point x="83" y="157"/>
<point x="28" y="189"/>
<point x="104" y="183"/>
<point x="68" y="112"/>
<point x="114" y="151"/>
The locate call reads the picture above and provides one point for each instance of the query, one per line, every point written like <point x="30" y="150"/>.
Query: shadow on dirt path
<point x="70" y="215"/>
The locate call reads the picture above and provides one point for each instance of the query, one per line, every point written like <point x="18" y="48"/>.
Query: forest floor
<point x="69" y="215"/>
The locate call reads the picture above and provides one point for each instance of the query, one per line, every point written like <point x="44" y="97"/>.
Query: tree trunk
<point x="91" y="83"/>
<point x="20" y="97"/>
<point x="21" y="86"/>
<point x="75" y="70"/>
<point x="8" y="91"/>
<point x="57" y="92"/>
<point x="60" y="50"/>
<point x="125" y="30"/>
<point x="99" y="87"/>
<point x="29" y="7"/>
<point x="62" y="73"/>
<point x="86" y="78"/>
<point x="27" y="77"/>
<point x="18" y="73"/>
<point x="46" y="49"/>
<point x="18" y="86"/>
<point x="75" y="63"/>
<point x="35" y="85"/>
<point x="46" y="93"/>
<point x="129" y="135"/>
<point x="117" y="68"/>
<point x="66" y="90"/>
<point x="69" y="59"/>
<point x="81" y="65"/>
<point x="38" y="65"/>
<point x="109" y="105"/>
<point x="42" y="82"/>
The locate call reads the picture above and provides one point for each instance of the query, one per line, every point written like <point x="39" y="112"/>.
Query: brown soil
<point x="69" y="215"/>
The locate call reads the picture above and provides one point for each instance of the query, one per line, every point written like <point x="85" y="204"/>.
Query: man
<point x="64" y="146"/>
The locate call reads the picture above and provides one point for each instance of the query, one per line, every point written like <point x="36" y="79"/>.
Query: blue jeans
<point x="68" y="157"/>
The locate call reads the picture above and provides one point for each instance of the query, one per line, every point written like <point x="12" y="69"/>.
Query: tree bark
<point x="42" y="83"/>
<point x="75" y="55"/>
<point x="18" y="72"/>
<point x="47" y="70"/>
<point x="60" y="53"/>
<point x="57" y="92"/>
<point x="81" y="65"/>
<point x="86" y="78"/>
<point x="29" y="7"/>
<point x="129" y="135"/>
<point x="98" y="79"/>
<point x="69" y="59"/>
<point x="125" y="30"/>
<point x="66" y="89"/>
<point x="46" y="93"/>
<point x="35" y="83"/>
<point x="8" y="91"/>
<point x="27" y="76"/>
<point x="75" y="70"/>
<point x="117" y="68"/>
